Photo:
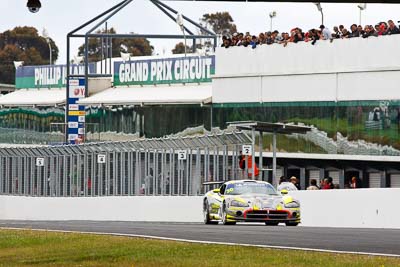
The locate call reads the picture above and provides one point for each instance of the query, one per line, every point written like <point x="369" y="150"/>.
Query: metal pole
<point x="260" y="156"/>
<point x="322" y="17"/>
<point x="273" y="157"/>
<point x="184" y="38"/>
<point x="107" y="50"/>
<point x="109" y="16"/>
<point x="96" y="18"/>
<point x="86" y="66"/>
<point x="253" y="159"/>
<point x="270" y="26"/>
<point x="67" y="90"/>
<point x="48" y="42"/>
<point x="183" y="16"/>
<point x="170" y="16"/>
<point x="102" y="55"/>
<point x="133" y="36"/>
<point x="111" y="55"/>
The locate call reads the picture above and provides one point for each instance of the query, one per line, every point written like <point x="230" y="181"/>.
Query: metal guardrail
<point x="163" y="166"/>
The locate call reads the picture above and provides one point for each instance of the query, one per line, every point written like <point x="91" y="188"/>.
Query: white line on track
<point x="210" y="242"/>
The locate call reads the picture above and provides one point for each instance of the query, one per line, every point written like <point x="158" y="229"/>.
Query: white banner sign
<point x="101" y="158"/>
<point x="182" y="154"/>
<point x="39" y="162"/>
<point x="247" y="150"/>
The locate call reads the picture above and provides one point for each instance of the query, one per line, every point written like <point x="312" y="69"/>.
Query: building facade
<point x="348" y="95"/>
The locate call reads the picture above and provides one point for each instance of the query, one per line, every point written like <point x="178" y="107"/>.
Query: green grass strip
<point x="41" y="248"/>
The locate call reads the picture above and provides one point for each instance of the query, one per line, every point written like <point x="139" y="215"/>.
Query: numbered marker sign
<point x="39" y="162"/>
<point x="246" y="150"/>
<point x="182" y="154"/>
<point x="101" y="158"/>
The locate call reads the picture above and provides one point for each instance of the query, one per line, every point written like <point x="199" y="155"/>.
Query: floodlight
<point x="362" y="6"/>
<point x="318" y="5"/>
<point x="78" y="59"/>
<point x="18" y="64"/>
<point x="125" y="56"/>
<point x="179" y="20"/>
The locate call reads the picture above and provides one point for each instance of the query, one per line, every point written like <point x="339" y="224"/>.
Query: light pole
<point x="18" y="64"/>
<point x="46" y="36"/>
<point x="361" y="7"/>
<point x="179" y="21"/>
<point x="318" y="5"/>
<point x="271" y="16"/>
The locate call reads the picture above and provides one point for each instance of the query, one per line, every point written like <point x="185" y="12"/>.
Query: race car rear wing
<point x="212" y="183"/>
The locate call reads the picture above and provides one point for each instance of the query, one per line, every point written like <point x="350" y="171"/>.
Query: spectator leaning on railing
<point x="313" y="35"/>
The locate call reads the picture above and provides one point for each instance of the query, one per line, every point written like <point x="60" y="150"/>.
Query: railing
<point x="166" y="166"/>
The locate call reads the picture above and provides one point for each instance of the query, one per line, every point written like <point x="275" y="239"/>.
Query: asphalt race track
<point x="374" y="241"/>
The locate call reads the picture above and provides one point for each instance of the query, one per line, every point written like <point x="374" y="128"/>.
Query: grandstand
<point x="348" y="95"/>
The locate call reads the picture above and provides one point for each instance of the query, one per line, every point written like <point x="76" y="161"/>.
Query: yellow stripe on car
<point x="215" y="206"/>
<point x="236" y="208"/>
<point x="240" y="200"/>
<point x="287" y="199"/>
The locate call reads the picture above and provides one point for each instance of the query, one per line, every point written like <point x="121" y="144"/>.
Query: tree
<point x="220" y="22"/>
<point x="180" y="49"/>
<point x="23" y="44"/>
<point x="134" y="46"/>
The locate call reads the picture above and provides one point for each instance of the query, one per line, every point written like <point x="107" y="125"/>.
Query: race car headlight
<point x="292" y="204"/>
<point x="236" y="203"/>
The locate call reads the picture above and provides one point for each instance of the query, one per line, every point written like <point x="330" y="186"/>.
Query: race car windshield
<point x="250" y="188"/>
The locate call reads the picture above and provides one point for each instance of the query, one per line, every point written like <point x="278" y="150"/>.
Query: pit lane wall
<point x="361" y="208"/>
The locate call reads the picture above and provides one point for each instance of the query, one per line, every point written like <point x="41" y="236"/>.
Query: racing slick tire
<point x="206" y="214"/>
<point x="291" y="223"/>
<point x="224" y="217"/>
<point x="271" y="223"/>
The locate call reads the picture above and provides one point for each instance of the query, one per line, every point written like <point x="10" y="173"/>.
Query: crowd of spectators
<point x="293" y="184"/>
<point x="298" y="35"/>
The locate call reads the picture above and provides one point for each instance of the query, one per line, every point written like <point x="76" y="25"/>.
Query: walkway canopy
<point x="269" y="127"/>
<point x="152" y="95"/>
<point x="34" y="97"/>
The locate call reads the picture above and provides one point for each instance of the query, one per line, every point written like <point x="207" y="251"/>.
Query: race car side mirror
<point x="216" y="190"/>
<point x="284" y="192"/>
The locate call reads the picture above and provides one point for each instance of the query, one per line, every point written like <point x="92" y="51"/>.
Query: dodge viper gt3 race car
<point x="250" y="201"/>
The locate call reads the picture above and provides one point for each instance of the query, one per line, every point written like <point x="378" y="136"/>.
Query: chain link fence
<point x="165" y="166"/>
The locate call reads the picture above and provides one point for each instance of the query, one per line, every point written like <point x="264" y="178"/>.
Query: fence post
<point x="1" y="175"/>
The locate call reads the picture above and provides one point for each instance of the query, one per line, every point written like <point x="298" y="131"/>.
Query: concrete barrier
<point x="361" y="208"/>
<point x="140" y="208"/>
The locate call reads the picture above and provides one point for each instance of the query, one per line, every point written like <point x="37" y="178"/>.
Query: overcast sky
<point x="61" y="16"/>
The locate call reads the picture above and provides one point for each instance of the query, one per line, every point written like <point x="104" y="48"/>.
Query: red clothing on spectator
<point x="242" y="165"/>
<point x="326" y="186"/>
<point x="250" y="166"/>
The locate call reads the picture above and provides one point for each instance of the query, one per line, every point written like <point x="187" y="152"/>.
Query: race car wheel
<point x="224" y="217"/>
<point x="271" y="223"/>
<point x="206" y="214"/>
<point x="291" y="223"/>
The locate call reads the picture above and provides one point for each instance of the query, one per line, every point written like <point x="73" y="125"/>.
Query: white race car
<point x="250" y="201"/>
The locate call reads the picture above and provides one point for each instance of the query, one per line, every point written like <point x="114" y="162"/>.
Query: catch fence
<point x="164" y="166"/>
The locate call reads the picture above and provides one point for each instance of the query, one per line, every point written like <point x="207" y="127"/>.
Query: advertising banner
<point x="192" y="69"/>
<point x="76" y="113"/>
<point x="48" y="76"/>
